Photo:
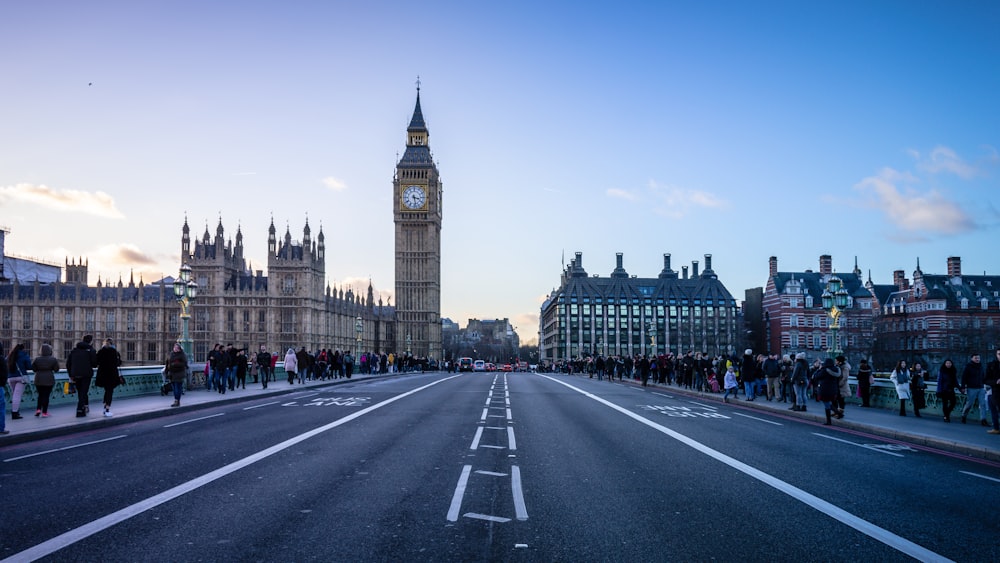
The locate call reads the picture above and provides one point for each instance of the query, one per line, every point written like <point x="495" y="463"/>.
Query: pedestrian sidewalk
<point x="62" y="418"/>
<point x="930" y="430"/>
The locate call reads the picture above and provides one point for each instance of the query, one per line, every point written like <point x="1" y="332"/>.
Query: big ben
<point x="417" y="215"/>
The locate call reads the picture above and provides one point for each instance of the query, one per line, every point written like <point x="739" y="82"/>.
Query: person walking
<point x="45" y="367"/>
<point x="730" y="384"/>
<point x="843" y="385"/>
<point x="18" y="366"/>
<point x="992" y="380"/>
<point x="947" y="382"/>
<point x="80" y="366"/>
<point x="3" y="392"/>
<point x="108" y="376"/>
<point x="918" y="377"/>
<point x="241" y="368"/>
<point x="901" y="379"/>
<point x="748" y="372"/>
<point x="291" y="365"/>
<point x="264" y="365"/>
<point x="177" y="369"/>
<point x="800" y="381"/>
<point x="972" y="388"/>
<point x="865" y="381"/>
<point x="827" y="381"/>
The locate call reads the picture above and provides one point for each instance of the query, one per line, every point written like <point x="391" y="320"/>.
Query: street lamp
<point x="834" y="302"/>
<point x="185" y="290"/>
<point x="359" y="327"/>
<point x="651" y="331"/>
<point x="408" y="343"/>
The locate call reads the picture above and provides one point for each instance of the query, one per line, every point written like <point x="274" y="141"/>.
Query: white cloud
<point x="676" y="202"/>
<point x="910" y="210"/>
<point x="96" y="203"/>
<point x="622" y="194"/>
<point x="335" y="184"/>
<point x="944" y="159"/>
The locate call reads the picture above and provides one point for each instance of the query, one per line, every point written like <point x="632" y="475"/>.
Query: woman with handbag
<point x="108" y="376"/>
<point x="900" y="377"/>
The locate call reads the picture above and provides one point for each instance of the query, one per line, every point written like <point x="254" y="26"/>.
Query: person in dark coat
<point x="827" y="380"/>
<point x="108" y="376"/>
<point x="947" y="382"/>
<point x="748" y="373"/>
<point x="45" y="367"/>
<point x="865" y="380"/>
<point x="80" y="366"/>
<point x="177" y="370"/>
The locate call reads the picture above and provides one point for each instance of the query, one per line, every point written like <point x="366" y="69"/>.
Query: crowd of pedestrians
<point x="794" y="380"/>
<point x="227" y="368"/>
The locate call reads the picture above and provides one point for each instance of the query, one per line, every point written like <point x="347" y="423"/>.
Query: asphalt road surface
<point x="490" y="467"/>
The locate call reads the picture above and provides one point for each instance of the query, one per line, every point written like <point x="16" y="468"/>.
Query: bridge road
<point x="488" y="467"/>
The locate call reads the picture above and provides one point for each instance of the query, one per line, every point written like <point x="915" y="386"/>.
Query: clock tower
<point x="416" y="210"/>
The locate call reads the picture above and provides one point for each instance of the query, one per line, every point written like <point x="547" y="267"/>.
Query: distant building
<point x="626" y="315"/>
<point x="794" y="318"/>
<point x="492" y="340"/>
<point x="936" y="317"/>
<point x="289" y="307"/>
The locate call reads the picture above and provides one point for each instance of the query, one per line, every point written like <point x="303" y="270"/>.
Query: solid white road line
<point x="491" y="473"/>
<point x="456" y="499"/>
<point x="475" y="440"/>
<point x="865" y="446"/>
<point x="194" y="420"/>
<point x="865" y="527"/>
<point x="662" y="395"/>
<point x="980" y="476"/>
<point x="66" y="539"/>
<point x="510" y="438"/>
<point x="515" y="481"/>
<point x="758" y="419"/>
<point x="64" y="448"/>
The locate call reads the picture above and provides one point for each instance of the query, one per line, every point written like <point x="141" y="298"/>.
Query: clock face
<point x="414" y="197"/>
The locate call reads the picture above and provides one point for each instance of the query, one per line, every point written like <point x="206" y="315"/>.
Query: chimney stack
<point x="954" y="266"/>
<point x="618" y="260"/>
<point x="825" y="265"/>
<point x="900" y="281"/>
<point x="708" y="262"/>
<point x="694" y="268"/>
<point x="666" y="262"/>
<point x="684" y="270"/>
<point x="772" y="266"/>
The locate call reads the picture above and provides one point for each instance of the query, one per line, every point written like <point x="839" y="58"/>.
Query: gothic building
<point x="417" y="212"/>
<point x="626" y="315"/>
<point x="289" y="307"/>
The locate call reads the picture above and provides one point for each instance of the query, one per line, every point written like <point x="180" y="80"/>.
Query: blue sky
<point x="737" y="129"/>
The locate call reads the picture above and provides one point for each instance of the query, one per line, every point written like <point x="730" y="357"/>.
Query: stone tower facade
<point x="417" y="213"/>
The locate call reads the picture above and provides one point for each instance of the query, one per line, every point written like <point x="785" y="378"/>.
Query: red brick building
<point x="936" y="317"/>
<point x="794" y="318"/>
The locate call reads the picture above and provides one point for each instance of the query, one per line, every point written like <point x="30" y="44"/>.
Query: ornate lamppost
<point x="651" y="331"/>
<point x="185" y="290"/>
<point x="834" y="302"/>
<point x="359" y="328"/>
<point x="408" y="343"/>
